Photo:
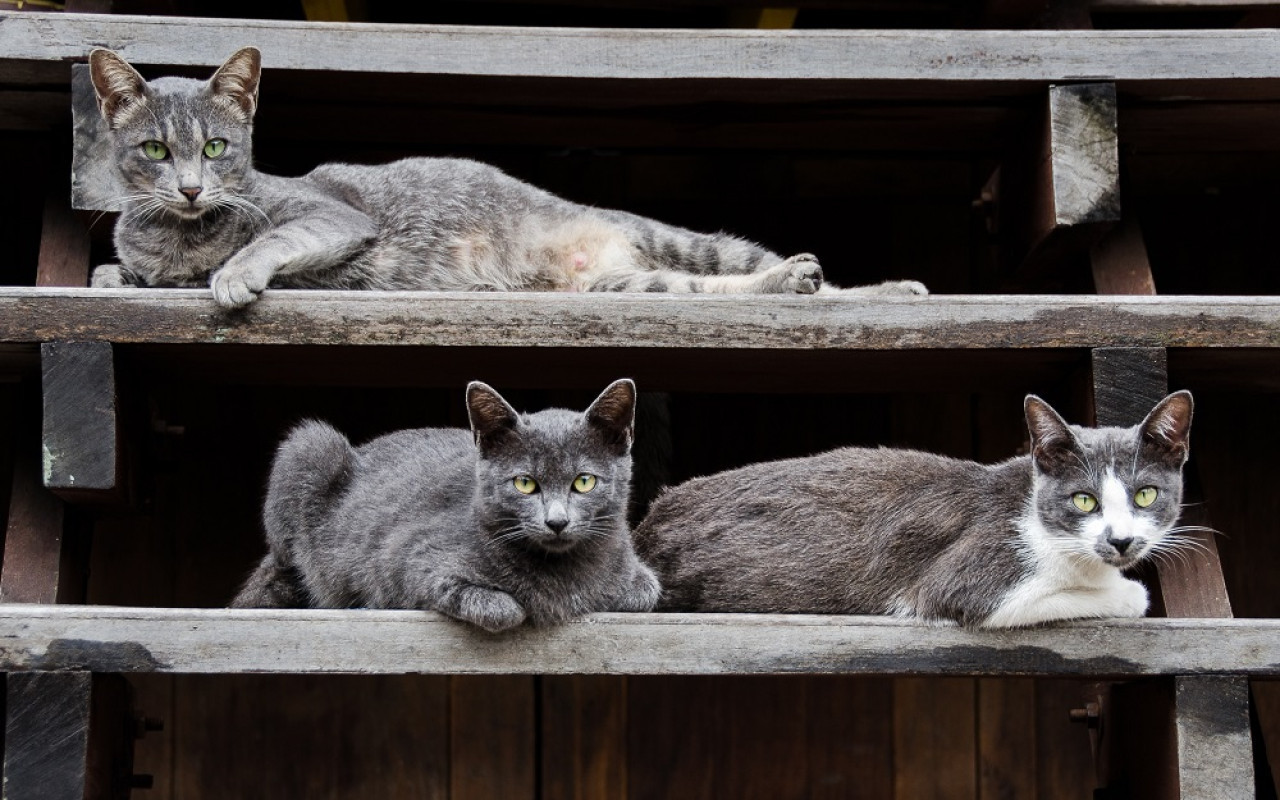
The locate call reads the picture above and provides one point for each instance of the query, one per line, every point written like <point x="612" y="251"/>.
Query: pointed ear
<point x="492" y="418"/>
<point x="614" y="414"/>
<point x="121" y="91"/>
<point x="237" y="81"/>
<point x="1052" y="442"/>
<point x="1168" y="427"/>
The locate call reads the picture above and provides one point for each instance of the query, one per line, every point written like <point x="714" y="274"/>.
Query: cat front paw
<point x="800" y="274"/>
<point x="902" y="287"/>
<point x="236" y="288"/>
<point x="491" y="609"/>
<point x="112" y="276"/>
<point x="643" y="593"/>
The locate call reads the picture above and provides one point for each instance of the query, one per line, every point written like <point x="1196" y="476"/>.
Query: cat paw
<point x="233" y="288"/>
<point x="111" y="276"/>
<point x="903" y="287"/>
<point x="885" y="289"/>
<point x="643" y="594"/>
<point x="800" y="274"/>
<point x="490" y="609"/>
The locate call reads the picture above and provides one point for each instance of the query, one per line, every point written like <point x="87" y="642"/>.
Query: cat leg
<point x="491" y="609"/>
<point x="799" y="274"/>
<point x="271" y="586"/>
<point x="641" y="594"/>
<point x="902" y="288"/>
<point x="1120" y="597"/>
<point x="114" y="276"/>
<point x="320" y="241"/>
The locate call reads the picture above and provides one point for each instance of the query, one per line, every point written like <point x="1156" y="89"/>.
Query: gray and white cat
<point x="522" y="518"/>
<point x="1036" y="538"/>
<point x="197" y="213"/>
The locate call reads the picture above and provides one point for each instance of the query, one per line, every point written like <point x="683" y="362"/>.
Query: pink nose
<point x="192" y="192"/>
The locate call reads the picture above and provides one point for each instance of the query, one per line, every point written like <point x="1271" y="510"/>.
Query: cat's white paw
<point x="236" y="288"/>
<point x="643" y="593"/>
<point x="903" y="287"/>
<point x="111" y="276"/>
<point x="490" y="609"/>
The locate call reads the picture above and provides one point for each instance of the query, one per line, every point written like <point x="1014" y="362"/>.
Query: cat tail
<point x="312" y="469"/>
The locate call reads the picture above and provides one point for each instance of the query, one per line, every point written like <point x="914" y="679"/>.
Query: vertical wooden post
<point x="493" y="751"/>
<point x="81" y="439"/>
<point x="47" y="735"/>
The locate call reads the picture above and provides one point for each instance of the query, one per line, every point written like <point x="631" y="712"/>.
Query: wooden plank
<point x="1127" y="383"/>
<point x="81" y="440"/>
<point x="47" y="736"/>
<point x="1120" y="264"/>
<point x="1215" y="752"/>
<point x="492" y="738"/>
<point x="64" y="239"/>
<point x="934" y="753"/>
<point x="39" y="556"/>
<point x="584" y="734"/>
<point x="1063" y="760"/>
<point x="594" y="320"/>
<point x="889" y="55"/>
<point x="115" y="639"/>
<point x="1006" y="725"/>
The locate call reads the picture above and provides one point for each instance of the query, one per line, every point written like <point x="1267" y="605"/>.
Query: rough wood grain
<point x="891" y="55"/>
<point x="81" y="441"/>
<point x="113" y="639"/>
<point x="523" y="319"/>
<point x="47" y="736"/>
<point x="1215" y="753"/>
<point x="34" y="568"/>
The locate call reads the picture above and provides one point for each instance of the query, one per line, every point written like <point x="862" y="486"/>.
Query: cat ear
<point x="1052" y="443"/>
<point x="492" y="418"/>
<point x="120" y="90"/>
<point x="614" y="414"/>
<point x="237" y="80"/>
<point x="1168" y="426"/>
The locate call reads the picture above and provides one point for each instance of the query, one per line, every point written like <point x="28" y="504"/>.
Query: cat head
<point x="1111" y="493"/>
<point x="557" y="478"/>
<point x="183" y="147"/>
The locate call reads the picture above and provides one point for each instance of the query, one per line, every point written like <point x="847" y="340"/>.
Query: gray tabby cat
<point x="522" y="518"/>
<point x="882" y="531"/>
<point x="198" y="213"/>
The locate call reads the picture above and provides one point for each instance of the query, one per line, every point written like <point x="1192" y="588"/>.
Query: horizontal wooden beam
<point x="113" y="639"/>
<point x="640" y="321"/>
<point x="949" y="56"/>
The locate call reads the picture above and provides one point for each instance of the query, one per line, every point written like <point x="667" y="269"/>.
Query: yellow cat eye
<point x="156" y="151"/>
<point x="525" y="485"/>
<point x="584" y="483"/>
<point x="214" y="148"/>
<point x="1084" y="501"/>
<point x="1145" y="496"/>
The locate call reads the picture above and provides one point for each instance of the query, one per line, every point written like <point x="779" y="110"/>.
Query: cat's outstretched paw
<point x="800" y="274"/>
<point x="236" y="288"/>
<point x="902" y="287"/>
<point x="886" y="289"/>
<point x="112" y="276"/>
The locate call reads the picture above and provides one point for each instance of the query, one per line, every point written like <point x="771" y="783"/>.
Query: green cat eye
<point x="214" y="148"/>
<point x="525" y="485"/>
<point x="1084" y="501"/>
<point x="1145" y="496"/>
<point x="156" y="151"/>
<point x="584" y="483"/>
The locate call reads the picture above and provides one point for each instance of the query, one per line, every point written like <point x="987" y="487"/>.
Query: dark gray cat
<point x="522" y="518"/>
<point x="197" y="213"/>
<point x="863" y="531"/>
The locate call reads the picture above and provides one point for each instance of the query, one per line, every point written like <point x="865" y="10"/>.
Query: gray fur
<point x="430" y="518"/>
<point x="420" y="223"/>
<point x="888" y="531"/>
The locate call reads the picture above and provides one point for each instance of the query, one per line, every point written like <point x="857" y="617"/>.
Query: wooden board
<point x="890" y="55"/>
<point x="492" y="751"/>
<point x="113" y="639"/>
<point x="80" y="439"/>
<point x="47" y="736"/>
<point x="1215" y="752"/>
<point x="594" y="320"/>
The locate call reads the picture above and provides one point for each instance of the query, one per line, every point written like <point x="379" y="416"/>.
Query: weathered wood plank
<point x="47" y="736"/>
<point x="1120" y="264"/>
<point x="934" y="747"/>
<point x="36" y="566"/>
<point x="890" y="55"/>
<point x="81" y="440"/>
<point x="584" y="731"/>
<point x="115" y="639"/>
<point x="523" y="319"/>
<point x="1215" y="753"/>
<point x="492" y="750"/>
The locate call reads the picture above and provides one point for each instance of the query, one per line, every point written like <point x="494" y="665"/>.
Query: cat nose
<point x="557" y="524"/>
<point x="1121" y="545"/>
<point x="191" y="192"/>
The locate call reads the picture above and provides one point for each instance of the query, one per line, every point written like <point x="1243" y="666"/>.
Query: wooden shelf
<point x="115" y="639"/>
<point x="641" y="321"/>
